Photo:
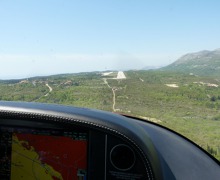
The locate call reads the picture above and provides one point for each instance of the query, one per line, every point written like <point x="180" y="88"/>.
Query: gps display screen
<point x="42" y="154"/>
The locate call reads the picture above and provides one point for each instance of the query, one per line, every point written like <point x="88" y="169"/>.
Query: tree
<point x="213" y="98"/>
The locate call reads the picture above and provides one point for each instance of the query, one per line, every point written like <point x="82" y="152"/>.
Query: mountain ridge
<point x="199" y="63"/>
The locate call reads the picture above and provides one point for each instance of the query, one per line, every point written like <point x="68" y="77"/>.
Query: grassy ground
<point x="191" y="108"/>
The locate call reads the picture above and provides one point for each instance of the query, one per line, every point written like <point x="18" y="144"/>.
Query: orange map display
<point x="48" y="157"/>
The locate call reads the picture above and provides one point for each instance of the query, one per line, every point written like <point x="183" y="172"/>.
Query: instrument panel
<point x="42" y="153"/>
<point x="36" y="150"/>
<point x="44" y="141"/>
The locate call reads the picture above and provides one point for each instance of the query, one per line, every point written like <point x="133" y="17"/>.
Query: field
<point x="185" y="103"/>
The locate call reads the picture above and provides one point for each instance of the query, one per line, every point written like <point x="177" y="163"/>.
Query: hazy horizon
<point x="24" y="76"/>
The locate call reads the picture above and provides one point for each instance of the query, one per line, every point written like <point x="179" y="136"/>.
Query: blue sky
<point x="53" y="36"/>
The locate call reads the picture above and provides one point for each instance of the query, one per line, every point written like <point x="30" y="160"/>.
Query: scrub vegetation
<point x="185" y="103"/>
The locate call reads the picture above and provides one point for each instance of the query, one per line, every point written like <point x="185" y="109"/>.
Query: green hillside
<point x="200" y="63"/>
<point x="187" y="104"/>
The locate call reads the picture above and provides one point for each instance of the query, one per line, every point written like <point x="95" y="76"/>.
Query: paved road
<point x="121" y="75"/>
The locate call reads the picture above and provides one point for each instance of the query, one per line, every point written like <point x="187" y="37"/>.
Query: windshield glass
<point x="156" y="60"/>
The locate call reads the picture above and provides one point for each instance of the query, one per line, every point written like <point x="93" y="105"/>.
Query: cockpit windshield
<point x="155" y="60"/>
